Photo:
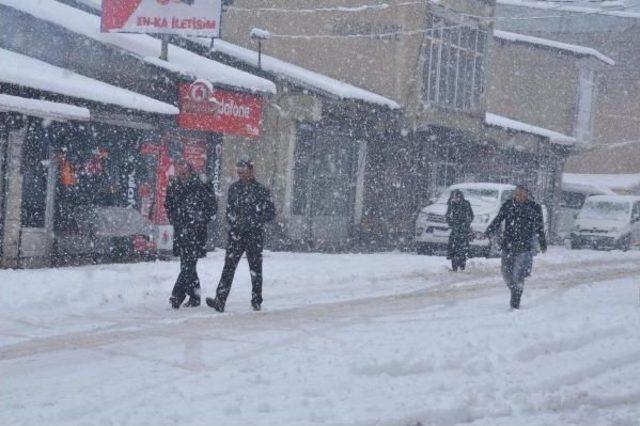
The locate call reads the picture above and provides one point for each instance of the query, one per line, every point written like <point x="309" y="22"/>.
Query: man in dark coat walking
<point x="190" y="205"/>
<point x="249" y="208"/>
<point x="523" y="220"/>
<point x="459" y="217"/>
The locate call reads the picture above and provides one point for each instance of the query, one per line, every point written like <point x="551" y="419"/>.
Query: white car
<point x="432" y="231"/>
<point x="608" y="222"/>
<point x="572" y="198"/>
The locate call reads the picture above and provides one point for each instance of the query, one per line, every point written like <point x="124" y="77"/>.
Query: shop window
<point x="453" y="72"/>
<point x="34" y="177"/>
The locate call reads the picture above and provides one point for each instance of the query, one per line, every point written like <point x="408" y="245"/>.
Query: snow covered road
<point x="389" y="339"/>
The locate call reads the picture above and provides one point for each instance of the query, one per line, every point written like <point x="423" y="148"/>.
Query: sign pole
<point x="164" y="49"/>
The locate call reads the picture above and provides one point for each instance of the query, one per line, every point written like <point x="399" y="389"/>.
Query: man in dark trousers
<point x="190" y="205"/>
<point x="249" y="208"/>
<point x="523" y="220"/>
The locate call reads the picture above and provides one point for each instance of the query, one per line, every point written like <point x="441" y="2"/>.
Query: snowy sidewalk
<point x="344" y="339"/>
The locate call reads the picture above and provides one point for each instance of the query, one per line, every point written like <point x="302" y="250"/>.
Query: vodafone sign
<point x="183" y="17"/>
<point x="213" y="110"/>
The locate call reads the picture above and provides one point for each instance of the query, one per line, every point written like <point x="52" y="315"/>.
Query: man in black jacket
<point x="190" y="205"/>
<point x="249" y="208"/>
<point x="523" y="220"/>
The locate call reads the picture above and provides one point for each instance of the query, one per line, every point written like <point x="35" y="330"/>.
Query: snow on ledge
<point x="571" y="48"/>
<point x="142" y="46"/>
<point x="557" y="6"/>
<point x="519" y="126"/>
<point x="295" y="73"/>
<point x="25" y="71"/>
<point x="43" y="109"/>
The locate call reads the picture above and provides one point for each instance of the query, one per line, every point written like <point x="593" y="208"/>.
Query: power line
<point x="376" y="35"/>
<point x="360" y="8"/>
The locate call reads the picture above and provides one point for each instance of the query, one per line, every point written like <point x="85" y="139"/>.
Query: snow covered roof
<point x="145" y="47"/>
<point x="44" y="109"/>
<point x="297" y="74"/>
<point x="519" y="126"/>
<point x="25" y="71"/>
<point x="619" y="8"/>
<point x="614" y="182"/>
<point x="552" y="44"/>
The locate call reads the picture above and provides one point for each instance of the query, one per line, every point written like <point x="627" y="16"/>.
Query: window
<point x="454" y="67"/>
<point x="324" y="173"/>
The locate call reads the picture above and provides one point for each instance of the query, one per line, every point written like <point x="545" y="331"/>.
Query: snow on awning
<point x="519" y="126"/>
<point x="573" y="49"/>
<point x="614" y="182"/>
<point x="25" y="71"/>
<point x="43" y="109"/>
<point x="296" y="74"/>
<point x="142" y="46"/>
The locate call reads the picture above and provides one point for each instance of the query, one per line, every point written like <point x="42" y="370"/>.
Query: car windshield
<point x="605" y="210"/>
<point x="476" y="196"/>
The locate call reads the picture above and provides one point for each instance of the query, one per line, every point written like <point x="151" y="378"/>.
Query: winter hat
<point x="245" y="163"/>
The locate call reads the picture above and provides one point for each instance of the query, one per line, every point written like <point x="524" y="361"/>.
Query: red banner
<point x="214" y="110"/>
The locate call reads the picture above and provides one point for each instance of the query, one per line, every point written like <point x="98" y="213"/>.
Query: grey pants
<point x="515" y="268"/>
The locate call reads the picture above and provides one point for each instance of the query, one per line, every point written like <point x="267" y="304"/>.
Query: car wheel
<point x="625" y="243"/>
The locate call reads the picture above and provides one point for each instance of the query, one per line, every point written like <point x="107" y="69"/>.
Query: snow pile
<point x="145" y="47"/>
<point x="43" y="109"/>
<point x="537" y="41"/>
<point x="24" y="71"/>
<point x="519" y="126"/>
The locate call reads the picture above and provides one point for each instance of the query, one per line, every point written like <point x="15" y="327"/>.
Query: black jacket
<point x="249" y="206"/>
<point x="190" y="206"/>
<point x="459" y="217"/>
<point x="522" y="221"/>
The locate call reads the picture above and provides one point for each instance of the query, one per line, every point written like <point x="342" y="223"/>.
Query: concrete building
<point x="613" y="28"/>
<point x="432" y="59"/>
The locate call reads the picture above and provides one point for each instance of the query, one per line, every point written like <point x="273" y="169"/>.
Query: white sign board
<point x="181" y="17"/>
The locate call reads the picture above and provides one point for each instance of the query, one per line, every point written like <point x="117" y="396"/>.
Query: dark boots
<point x="516" y="294"/>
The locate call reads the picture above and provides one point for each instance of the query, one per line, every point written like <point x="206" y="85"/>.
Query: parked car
<point x="608" y="222"/>
<point x="573" y="196"/>
<point x="432" y="231"/>
<point x="107" y="233"/>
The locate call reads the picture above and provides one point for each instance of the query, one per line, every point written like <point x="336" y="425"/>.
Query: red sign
<point x="182" y="17"/>
<point x="213" y="110"/>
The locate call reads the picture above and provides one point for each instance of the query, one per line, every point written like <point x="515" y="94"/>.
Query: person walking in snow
<point x="190" y="205"/>
<point x="523" y="221"/>
<point x="459" y="217"/>
<point x="249" y="208"/>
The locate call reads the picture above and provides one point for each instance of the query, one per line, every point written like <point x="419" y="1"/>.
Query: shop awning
<point x="43" y="109"/>
<point x="142" y="46"/>
<point x="25" y="71"/>
<point x="519" y="126"/>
